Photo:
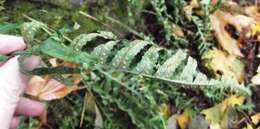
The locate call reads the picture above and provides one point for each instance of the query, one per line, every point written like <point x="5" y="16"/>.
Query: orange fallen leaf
<point x="183" y="119"/>
<point x="44" y="88"/>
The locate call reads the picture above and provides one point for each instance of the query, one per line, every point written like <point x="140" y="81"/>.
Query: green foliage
<point x="31" y="122"/>
<point x="203" y="27"/>
<point x="163" y="17"/>
<point x="166" y="20"/>
<point x="129" y="79"/>
<point x="2" y="5"/>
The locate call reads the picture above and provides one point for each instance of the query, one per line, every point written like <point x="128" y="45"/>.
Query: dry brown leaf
<point x="183" y="119"/>
<point x="177" y="30"/>
<point x="252" y="11"/>
<point x="221" y="19"/>
<point x="189" y="8"/>
<point x="44" y="88"/>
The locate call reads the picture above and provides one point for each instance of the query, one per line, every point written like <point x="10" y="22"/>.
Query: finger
<point x="12" y="86"/>
<point x="30" y="63"/>
<point x="14" y="122"/>
<point x="29" y="108"/>
<point x="9" y="44"/>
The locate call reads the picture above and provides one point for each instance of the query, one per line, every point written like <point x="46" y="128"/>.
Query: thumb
<point x="11" y="88"/>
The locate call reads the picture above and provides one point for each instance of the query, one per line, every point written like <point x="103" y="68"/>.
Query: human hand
<point x="12" y="85"/>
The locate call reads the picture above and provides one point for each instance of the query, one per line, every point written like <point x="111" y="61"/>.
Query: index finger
<point x="10" y="44"/>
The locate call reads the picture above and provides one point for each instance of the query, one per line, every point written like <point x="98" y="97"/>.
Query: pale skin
<point x="12" y="84"/>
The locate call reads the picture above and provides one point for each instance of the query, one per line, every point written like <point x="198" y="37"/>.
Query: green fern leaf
<point x="149" y="60"/>
<point x="135" y="91"/>
<point x="104" y="50"/>
<point x="79" y="42"/>
<point x="125" y="56"/>
<point x="190" y="70"/>
<point x="170" y="65"/>
<point x="29" y="30"/>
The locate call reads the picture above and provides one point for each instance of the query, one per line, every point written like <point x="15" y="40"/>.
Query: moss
<point x="58" y="15"/>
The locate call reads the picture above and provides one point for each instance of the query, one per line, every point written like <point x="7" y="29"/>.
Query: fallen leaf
<point x="255" y="30"/>
<point x="177" y="30"/>
<point x="172" y="123"/>
<point x="218" y="115"/>
<point x="164" y="110"/>
<point x="252" y="11"/>
<point x="90" y="107"/>
<point x="224" y="65"/>
<point x="256" y="79"/>
<point x="194" y="4"/>
<point x="99" y="119"/>
<point x="219" y="20"/>
<point x="198" y="122"/>
<point x="44" y="88"/>
<point x="255" y="119"/>
<point x="183" y="119"/>
<point x="189" y="8"/>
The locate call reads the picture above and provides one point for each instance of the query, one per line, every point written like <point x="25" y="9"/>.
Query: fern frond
<point x="177" y="67"/>
<point x="130" y="77"/>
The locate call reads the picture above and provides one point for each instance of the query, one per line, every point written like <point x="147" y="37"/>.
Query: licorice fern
<point x="129" y="79"/>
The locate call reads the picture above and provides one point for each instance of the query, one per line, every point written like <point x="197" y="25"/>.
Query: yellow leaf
<point x="256" y="79"/>
<point x="115" y="74"/>
<point x="227" y="66"/>
<point x="183" y="119"/>
<point x="164" y="110"/>
<point x="218" y="113"/>
<point x="252" y="11"/>
<point x="256" y="118"/>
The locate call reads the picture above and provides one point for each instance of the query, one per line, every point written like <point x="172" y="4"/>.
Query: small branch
<point x="97" y="21"/>
<point x="126" y="27"/>
<point x="249" y="120"/>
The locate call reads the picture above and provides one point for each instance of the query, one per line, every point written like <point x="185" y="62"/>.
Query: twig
<point x="248" y="119"/>
<point x="83" y="109"/>
<point x="149" y="12"/>
<point x="126" y="27"/>
<point x="98" y="21"/>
